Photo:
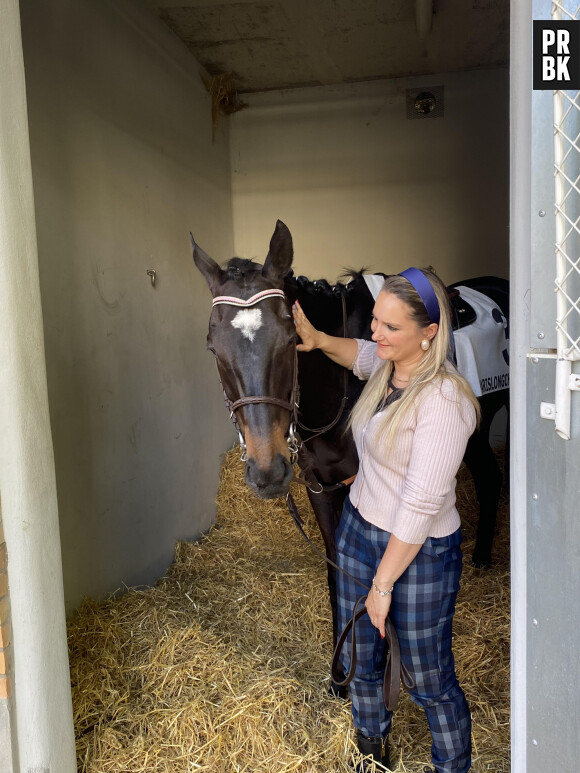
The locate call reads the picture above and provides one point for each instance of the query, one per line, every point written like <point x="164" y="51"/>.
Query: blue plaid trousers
<point x="422" y="607"/>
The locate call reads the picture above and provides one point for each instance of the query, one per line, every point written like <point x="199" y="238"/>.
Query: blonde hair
<point x="434" y="366"/>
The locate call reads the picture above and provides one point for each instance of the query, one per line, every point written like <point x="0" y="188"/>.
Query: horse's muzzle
<point x="269" y="482"/>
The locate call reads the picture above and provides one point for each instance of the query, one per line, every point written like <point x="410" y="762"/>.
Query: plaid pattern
<point x="422" y="608"/>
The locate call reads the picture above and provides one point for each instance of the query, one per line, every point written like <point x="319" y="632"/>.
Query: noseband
<point x="293" y="439"/>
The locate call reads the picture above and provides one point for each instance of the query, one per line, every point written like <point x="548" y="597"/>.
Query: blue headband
<point x="425" y="290"/>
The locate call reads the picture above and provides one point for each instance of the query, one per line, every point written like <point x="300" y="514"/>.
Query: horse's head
<point x="251" y="333"/>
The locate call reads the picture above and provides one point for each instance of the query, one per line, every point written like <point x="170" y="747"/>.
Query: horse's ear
<point x="280" y="255"/>
<point x="209" y="268"/>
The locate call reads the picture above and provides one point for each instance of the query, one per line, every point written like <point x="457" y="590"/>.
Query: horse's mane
<point x="237" y="268"/>
<point x="322" y="287"/>
<point x="323" y="302"/>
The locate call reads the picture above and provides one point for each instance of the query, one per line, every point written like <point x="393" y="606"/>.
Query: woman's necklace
<point x="394" y="378"/>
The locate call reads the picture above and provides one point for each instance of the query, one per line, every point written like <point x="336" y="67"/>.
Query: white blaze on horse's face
<point x="248" y="321"/>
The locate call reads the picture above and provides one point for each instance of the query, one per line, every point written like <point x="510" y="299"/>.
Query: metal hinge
<point x="559" y="410"/>
<point x="566" y="382"/>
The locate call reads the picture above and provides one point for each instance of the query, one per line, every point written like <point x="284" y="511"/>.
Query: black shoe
<point x="375" y="747"/>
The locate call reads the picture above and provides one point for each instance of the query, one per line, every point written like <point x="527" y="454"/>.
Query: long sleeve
<point x="443" y="428"/>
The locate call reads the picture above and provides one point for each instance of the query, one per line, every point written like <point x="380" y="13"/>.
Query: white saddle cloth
<point x="481" y="348"/>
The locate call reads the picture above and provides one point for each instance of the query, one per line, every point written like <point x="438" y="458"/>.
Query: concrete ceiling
<point x="282" y="44"/>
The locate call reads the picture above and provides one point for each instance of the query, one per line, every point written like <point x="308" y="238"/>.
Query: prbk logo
<point x="556" y="55"/>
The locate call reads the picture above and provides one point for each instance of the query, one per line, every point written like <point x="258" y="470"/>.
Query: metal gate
<point x="566" y="155"/>
<point x="545" y="255"/>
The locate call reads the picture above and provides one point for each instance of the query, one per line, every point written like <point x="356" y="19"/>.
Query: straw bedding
<point x="223" y="666"/>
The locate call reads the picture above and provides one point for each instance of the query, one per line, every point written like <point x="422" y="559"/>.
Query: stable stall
<point x="381" y="137"/>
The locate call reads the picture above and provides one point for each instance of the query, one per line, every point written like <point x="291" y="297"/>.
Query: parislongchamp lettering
<point x="493" y="383"/>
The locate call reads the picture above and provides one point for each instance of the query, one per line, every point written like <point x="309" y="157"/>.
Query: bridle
<point x="293" y="440"/>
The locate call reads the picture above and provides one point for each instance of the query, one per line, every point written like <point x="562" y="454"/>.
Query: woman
<point x="400" y="531"/>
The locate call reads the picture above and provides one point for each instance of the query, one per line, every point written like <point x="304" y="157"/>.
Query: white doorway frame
<point x="520" y="279"/>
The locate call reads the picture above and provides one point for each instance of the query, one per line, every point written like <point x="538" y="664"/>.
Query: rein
<point x="395" y="671"/>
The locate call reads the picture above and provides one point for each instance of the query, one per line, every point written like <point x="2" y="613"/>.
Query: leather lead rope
<point x="395" y="672"/>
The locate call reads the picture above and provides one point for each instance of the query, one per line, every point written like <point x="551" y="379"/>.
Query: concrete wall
<point x="359" y="184"/>
<point x="123" y="168"/>
<point x="36" y="728"/>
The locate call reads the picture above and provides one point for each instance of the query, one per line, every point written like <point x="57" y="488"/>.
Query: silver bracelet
<point x="382" y="592"/>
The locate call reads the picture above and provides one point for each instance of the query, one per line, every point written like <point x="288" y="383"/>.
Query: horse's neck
<point x="322" y="382"/>
<point x="323" y="312"/>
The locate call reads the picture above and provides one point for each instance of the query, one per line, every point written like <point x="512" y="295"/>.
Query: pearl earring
<point x="425" y="344"/>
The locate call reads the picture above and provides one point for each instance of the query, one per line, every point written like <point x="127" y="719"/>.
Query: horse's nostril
<point x="275" y="473"/>
<point x="271" y="481"/>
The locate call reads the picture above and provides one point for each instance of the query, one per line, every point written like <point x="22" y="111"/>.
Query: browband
<point x="230" y="300"/>
<point x="425" y="290"/>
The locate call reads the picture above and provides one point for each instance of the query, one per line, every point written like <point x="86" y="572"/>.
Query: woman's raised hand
<point x="340" y="350"/>
<point x="309" y="335"/>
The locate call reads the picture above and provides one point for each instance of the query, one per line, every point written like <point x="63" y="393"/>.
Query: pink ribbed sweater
<point x="409" y="490"/>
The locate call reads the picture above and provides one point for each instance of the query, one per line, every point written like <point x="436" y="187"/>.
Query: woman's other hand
<point x="309" y="335"/>
<point x="378" y="608"/>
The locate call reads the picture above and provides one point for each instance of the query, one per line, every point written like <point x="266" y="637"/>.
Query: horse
<point x="290" y="406"/>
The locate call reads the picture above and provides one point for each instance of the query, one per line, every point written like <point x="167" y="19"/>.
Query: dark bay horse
<point x="270" y="389"/>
